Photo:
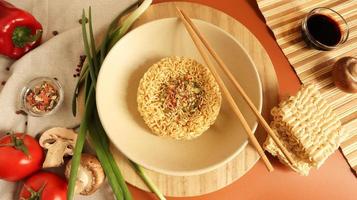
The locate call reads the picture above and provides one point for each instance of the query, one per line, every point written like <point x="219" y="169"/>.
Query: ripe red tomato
<point x="46" y="185"/>
<point x="20" y="156"/>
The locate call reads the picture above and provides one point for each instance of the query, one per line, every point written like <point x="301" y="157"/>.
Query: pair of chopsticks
<point x="201" y="43"/>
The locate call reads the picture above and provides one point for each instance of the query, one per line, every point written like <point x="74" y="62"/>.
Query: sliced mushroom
<point x="90" y="174"/>
<point x="59" y="142"/>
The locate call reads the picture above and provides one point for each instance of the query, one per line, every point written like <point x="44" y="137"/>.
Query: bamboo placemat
<point x="284" y="18"/>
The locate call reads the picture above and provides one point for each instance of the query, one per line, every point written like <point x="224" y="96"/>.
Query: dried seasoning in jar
<point x="42" y="96"/>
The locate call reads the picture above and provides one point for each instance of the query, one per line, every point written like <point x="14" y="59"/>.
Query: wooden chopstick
<point x="238" y="87"/>
<point x="225" y="91"/>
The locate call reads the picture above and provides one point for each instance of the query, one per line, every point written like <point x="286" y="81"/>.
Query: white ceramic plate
<point x="116" y="99"/>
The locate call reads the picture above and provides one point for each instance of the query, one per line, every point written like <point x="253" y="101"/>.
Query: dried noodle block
<point x="308" y="128"/>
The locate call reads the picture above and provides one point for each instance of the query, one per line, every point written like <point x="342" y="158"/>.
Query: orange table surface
<point x="334" y="180"/>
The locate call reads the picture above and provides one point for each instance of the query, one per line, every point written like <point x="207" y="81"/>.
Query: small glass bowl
<point x="31" y="85"/>
<point x="342" y="23"/>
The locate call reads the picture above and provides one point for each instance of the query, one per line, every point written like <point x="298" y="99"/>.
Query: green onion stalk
<point x="90" y="122"/>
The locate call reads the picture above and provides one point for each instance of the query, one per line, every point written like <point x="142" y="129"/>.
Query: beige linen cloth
<point x="56" y="57"/>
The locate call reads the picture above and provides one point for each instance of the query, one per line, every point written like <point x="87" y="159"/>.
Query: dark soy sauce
<point x="324" y="29"/>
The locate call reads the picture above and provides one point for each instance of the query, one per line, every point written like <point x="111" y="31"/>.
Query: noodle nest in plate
<point x="178" y="98"/>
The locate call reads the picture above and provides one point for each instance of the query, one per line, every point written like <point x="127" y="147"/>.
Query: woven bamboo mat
<point x="284" y="18"/>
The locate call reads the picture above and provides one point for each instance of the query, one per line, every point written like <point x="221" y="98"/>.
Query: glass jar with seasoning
<point x="41" y="96"/>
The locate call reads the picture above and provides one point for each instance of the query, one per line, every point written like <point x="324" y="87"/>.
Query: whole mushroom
<point x="345" y="74"/>
<point x="59" y="142"/>
<point x="90" y="174"/>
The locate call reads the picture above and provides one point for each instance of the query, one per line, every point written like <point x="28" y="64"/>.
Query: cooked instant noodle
<point x="179" y="98"/>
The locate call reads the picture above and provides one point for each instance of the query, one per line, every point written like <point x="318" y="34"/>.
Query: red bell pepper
<point x="19" y="31"/>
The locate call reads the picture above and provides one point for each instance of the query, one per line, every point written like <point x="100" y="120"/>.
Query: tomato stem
<point x="35" y="195"/>
<point x="18" y="143"/>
